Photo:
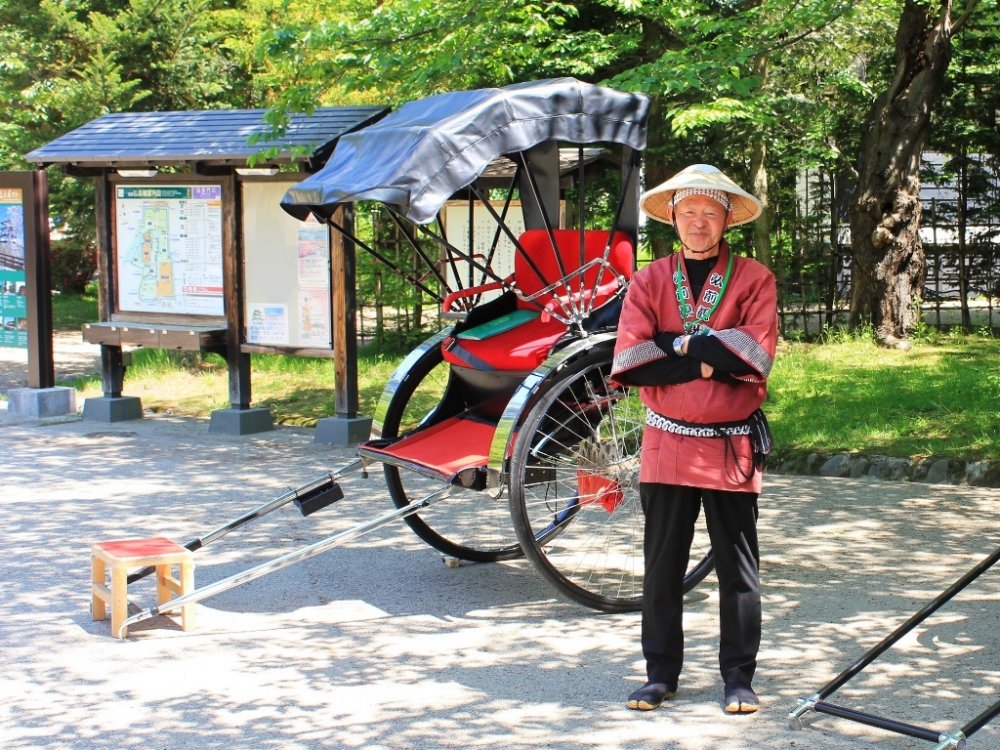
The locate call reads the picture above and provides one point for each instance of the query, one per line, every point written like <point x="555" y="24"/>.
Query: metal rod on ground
<point x="818" y="704"/>
<point x="907" y="626"/>
<point x="315" y="485"/>
<point x="899" y="727"/>
<point x="982" y="720"/>
<point x="285" y="560"/>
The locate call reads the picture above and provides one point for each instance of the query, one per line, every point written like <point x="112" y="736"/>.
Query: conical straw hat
<point x="657" y="203"/>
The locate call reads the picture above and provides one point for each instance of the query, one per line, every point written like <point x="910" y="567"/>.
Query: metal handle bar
<point x="285" y="560"/>
<point x="947" y="741"/>
<point x="316" y="485"/>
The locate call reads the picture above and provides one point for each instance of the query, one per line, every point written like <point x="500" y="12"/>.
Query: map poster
<point x="169" y="249"/>
<point x="13" y="302"/>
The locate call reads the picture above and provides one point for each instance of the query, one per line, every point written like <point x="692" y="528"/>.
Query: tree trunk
<point x="758" y="181"/>
<point x="656" y="170"/>
<point x="888" y="269"/>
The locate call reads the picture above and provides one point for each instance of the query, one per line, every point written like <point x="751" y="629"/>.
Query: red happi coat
<point x="746" y="322"/>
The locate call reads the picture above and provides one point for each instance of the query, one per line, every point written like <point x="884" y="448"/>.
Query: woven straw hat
<point x="657" y="203"/>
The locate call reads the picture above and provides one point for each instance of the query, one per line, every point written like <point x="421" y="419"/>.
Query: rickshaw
<point x="509" y="411"/>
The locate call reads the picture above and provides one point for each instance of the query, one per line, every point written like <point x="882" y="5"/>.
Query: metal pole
<point x="911" y="623"/>
<point x="285" y="560"/>
<point x="317" y="484"/>
<point x="954" y="741"/>
<point x="899" y="727"/>
<point x="982" y="720"/>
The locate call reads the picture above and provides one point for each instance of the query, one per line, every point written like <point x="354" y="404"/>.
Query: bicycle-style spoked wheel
<point x="469" y="525"/>
<point x="575" y="489"/>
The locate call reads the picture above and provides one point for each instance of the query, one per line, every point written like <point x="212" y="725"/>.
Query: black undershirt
<point x="674" y="369"/>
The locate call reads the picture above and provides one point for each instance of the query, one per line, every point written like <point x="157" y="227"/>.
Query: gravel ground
<point x="379" y="645"/>
<point x="71" y="354"/>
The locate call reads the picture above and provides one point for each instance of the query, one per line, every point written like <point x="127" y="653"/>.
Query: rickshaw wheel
<point x="574" y="489"/>
<point x="470" y="525"/>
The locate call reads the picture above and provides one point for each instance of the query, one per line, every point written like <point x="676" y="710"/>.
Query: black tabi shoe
<point x="650" y="696"/>
<point x="741" y="699"/>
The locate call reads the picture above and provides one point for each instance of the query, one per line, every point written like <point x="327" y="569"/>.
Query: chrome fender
<point x="399" y="376"/>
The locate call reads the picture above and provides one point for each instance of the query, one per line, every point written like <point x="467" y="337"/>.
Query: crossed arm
<point x="704" y="357"/>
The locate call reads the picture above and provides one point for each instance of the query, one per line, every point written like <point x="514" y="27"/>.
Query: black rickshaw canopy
<point x="419" y="156"/>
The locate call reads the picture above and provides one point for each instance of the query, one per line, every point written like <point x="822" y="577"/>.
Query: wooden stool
<point x="125" y="554"/>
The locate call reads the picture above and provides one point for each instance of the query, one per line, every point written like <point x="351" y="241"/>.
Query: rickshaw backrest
<point x="519" y="341"/>
<point x="538" y="246"/>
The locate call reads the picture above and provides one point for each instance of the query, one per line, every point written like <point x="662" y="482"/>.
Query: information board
<point x="286" y="273"/>
<point x="169" y="249"/>
<point x="13" y="299"/>
<point x="484" y="230"/>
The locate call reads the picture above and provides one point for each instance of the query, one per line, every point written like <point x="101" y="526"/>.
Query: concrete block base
<point x="112" y="408"/>
<point x="240" y="421"/>
<point x="41" y="402"/>
<point x="343" y="430"/>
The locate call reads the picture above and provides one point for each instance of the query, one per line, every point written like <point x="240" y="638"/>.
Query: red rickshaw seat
<point x="526" y="343"/>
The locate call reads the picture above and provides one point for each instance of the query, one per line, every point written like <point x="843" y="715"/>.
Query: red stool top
<point x="156" y="545"/>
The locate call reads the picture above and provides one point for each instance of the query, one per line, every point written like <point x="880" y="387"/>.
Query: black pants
<point x="671" y="512"/>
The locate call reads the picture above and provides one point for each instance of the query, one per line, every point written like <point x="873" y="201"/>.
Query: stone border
<point x="855" y="466"/>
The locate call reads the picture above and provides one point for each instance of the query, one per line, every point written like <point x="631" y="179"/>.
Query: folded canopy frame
<point x="431" y="150"/>
<point x="419" y="156"/>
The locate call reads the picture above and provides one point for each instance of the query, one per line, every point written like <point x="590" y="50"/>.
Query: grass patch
<point x="940" y="398"/>
<point x="297" y="390"/>
<point x="71" y="311"/>
<point x="937" y="399"/>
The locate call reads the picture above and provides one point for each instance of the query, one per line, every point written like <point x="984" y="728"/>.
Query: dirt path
<point x="73" y="357"/>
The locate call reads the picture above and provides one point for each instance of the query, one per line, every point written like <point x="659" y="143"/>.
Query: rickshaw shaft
<point x="286" y="560"/>
<point x="310" y="488"/>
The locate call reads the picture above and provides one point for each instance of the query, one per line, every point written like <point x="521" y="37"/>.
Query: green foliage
<point x="73" y="265"/>
<point x="728" y="81"/>
<point x="839" y="334"/>
<point x="70" y="311"/>
<point x="66" y="63"/>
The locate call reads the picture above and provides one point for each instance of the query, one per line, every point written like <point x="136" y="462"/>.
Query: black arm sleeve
<point x="669" y="370"/>
<point x="662" y="372"/>
<point x="711" y="351"/>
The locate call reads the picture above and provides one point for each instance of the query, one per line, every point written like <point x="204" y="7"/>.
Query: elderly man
<point x="697" y="335"/>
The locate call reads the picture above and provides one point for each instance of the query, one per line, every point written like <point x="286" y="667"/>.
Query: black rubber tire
<point x="591" y="553"/>
<point x="468" y="526"/>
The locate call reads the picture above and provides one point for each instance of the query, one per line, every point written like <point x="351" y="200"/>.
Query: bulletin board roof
<point x="206" y="136"/>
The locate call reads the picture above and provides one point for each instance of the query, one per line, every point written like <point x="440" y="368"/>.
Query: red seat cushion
<point x="521" y="348"/>
<point x="527" y="345"/>
<point x="146" y="547"/>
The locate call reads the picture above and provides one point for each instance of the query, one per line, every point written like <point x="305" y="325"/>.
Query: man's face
<point x="700" y="222"/>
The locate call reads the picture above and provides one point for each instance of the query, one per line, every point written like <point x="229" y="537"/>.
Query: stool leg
<point x="187" y="586"/>
<point x="162" y="591"/>
<point x="119" y="596"/>
<point x="98" y="571"/>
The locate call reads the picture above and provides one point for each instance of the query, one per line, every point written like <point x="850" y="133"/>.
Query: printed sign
<point x="170" y="249"/>
<point x="13" y="291"/>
